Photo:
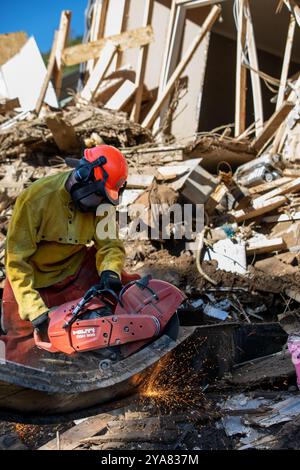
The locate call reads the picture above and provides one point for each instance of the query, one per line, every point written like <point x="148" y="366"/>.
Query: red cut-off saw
<point x="102" y="319"/>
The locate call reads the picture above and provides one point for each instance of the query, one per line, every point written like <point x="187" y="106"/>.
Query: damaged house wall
<point x="219" y="87"/>
<point x="214" y="61"/>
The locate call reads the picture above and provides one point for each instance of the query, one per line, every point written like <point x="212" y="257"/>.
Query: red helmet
<point x="115" y="166"/>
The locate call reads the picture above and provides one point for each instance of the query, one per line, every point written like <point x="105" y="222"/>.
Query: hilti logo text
<point x="87" y="332"/>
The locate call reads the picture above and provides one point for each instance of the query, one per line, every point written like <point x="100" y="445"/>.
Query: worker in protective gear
<point x="48" y="261"/>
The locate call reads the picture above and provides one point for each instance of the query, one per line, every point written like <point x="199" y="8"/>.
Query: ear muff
<point x="84" y="172"/>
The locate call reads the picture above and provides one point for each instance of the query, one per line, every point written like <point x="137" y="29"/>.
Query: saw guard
<point x="142" y="313"/>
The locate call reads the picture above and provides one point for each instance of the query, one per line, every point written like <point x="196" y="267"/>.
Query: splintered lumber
<point x="63" y="133"/>
<point x="71" y="439"/>
<point x="241" y="73"/>
<point x="264" y="187"/>
<point x="129" y="39"/>
<point x="206" y="27"/>
<point x="50" y="69"/>
<point x="290" y="187"/>
<point x="272" y="125"/>
<point x="141" y="66"/>
<point x="215" y="198"/>
<point x="98" y="72"/>
<point x="286" y="61"/>
<point x="10" y="44"/>
<point x="255" y="79"/>
<point x="258" y="209"/>
<point x="62" y="37"/>
<point x="265" y="246"/>
<point x="122" y="96"/>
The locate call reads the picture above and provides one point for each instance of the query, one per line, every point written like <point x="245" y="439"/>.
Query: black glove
<point x="110" y="280"/>
<point x="41" y="322"/>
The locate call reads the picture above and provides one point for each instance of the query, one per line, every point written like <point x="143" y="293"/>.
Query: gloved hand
<point x="41" y="322"/>
<point x="110" y="280"/>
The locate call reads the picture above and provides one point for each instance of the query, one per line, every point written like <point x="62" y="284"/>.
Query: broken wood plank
<point x="165" y="435"/>
<point x="63" y="133"/>
<point x="286" y="62"/>
<point x="290" y="187"/>
<point x="281" y="218"/>
<point x="264" y="187"/>
<point x="71" y="439"/>
<point x="10" y="44"/>
<point x="265" y="369"/>
<point x="272" y="125"/>
<point x="122" y="96"/>
<point x="170" y="32"/>
<point x="265" y="246"/>
<point x="259" y="209"/>
<point x="241" y="73"/>
<point x="129" y="39"/>
<point x="254" y="68"/>
<point x="62" y="37"/>
<point x="141" y="66"/>
<point x="97" y="26"/>
<point x="99" y="72"/>
<point x="206" y="27"/>
<point x="50" y="69"/>
<point x="81" y="117"/>
<point x="215" y="198"/>
<point x="123" y="28"/>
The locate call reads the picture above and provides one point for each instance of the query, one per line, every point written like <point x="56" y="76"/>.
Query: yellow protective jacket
<point x="46" y="242"/>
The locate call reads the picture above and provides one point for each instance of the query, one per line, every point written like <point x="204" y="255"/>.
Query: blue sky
<point x="40" y="18"/>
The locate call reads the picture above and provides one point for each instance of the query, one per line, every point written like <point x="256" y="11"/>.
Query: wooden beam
<point x="197" y="3"/>
<point x="173" y="47"/>
<point x="50" y="68"/>
<point x="207" y="25"/>
<point x="122" y="96"/>
<point x="289" y="187"/>
<point x="62" y="37"/>
<point x="241" y="73"/>
<point x="255" y="78"/>
<point x="293" y="7"/>
<point x="122" y="29"/>
<point x="271" y="219"/>
<point x="130" y="39"/>
<point x="286" y="61"/>
<point x="99" y="72"/>
<point x="265" y="246"/>
<point x="141" y="66"/>
<point x="272" y="126"/>
<point x="264" y="187"/>
<point x="259" y="209"/>
<point x="71" y="438"/>
<point x="283" y="130"/>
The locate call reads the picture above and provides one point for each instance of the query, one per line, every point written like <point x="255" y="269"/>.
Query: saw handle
<point x="92" y="292"/>
<point x="43" y="344"/>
